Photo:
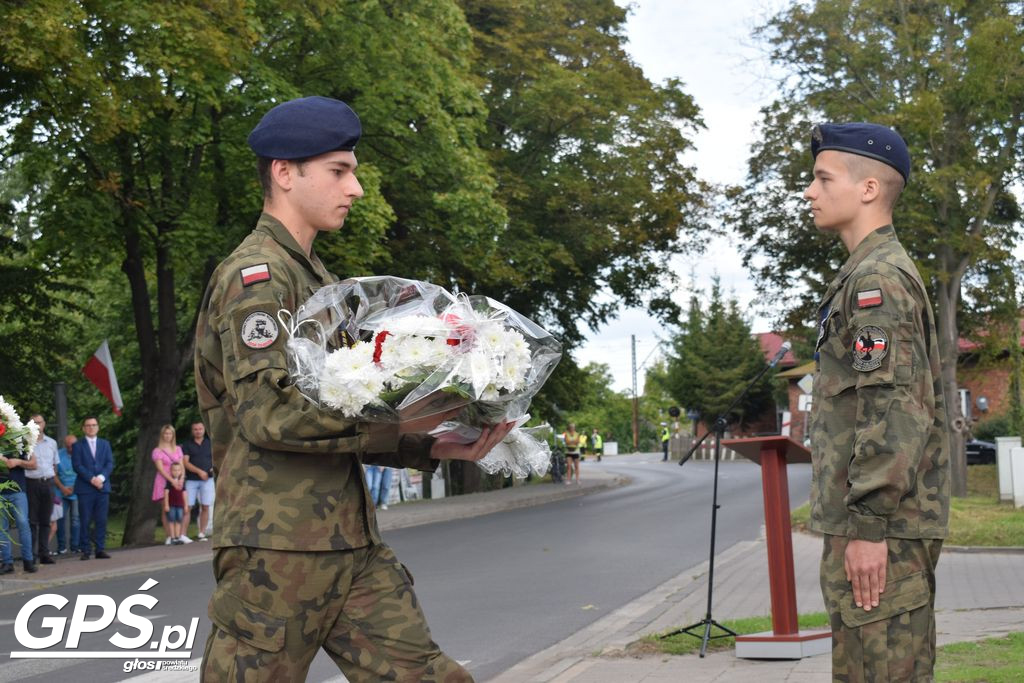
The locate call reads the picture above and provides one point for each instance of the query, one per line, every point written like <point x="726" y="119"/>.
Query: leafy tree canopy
<point x="949" y="76"/>
<point x="712" y="358"/>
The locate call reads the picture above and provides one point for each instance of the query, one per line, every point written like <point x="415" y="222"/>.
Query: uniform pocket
<point x="248" y="623"/>
<point x="902" y="595"/>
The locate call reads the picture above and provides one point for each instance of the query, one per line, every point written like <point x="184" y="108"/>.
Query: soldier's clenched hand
<point x="865" y="570"/>
<point x="489" y="438"/>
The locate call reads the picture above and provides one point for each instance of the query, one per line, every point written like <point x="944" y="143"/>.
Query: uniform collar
<point x="872" y="241"/>
<point x="280" y="234"/>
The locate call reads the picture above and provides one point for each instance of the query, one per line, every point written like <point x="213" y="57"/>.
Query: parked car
<point x="981" y="452"/>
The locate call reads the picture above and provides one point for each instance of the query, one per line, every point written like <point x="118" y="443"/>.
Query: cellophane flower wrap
<point x="17" y="439"/>
<point x="388" y="349"/>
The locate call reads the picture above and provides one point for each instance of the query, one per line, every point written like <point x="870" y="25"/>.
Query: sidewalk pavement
<point x="980" y="595"/>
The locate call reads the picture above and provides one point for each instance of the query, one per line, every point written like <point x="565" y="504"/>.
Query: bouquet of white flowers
<point x="390" y="349"/>
<point x="17" y="439"/>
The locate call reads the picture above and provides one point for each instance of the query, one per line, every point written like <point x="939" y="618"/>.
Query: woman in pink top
<point x="165" y="453"/>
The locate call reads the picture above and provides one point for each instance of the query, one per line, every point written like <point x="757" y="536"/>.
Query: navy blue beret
<point x="866" y="139"/>
<point x="306" y="127"/>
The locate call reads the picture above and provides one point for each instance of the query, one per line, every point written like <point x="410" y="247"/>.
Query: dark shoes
<point x="7" y="568"/>
<point x="85" y="556"/>
<point x="47" y="560"/>
<point x="30" y="568"/>
<point x="100" y="555"/>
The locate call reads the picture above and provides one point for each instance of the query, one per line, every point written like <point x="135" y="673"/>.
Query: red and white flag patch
<point x="869" y="298"/>
<point x="253" y="274"/>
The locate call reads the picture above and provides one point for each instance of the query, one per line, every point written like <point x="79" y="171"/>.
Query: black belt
<point x="41" y="480"/>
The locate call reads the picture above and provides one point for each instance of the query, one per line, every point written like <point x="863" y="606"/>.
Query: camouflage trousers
<point x="896" y="640"/>
<point x="273" y="610"/>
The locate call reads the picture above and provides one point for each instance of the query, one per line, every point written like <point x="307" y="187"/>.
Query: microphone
<point x="783" y="350"/>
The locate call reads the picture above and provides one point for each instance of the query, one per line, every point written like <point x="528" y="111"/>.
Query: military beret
<point x="306" y="127"/>
<point x="865" y="139"/>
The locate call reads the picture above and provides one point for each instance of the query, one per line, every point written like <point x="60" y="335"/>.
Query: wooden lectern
<point x="785" y="640"/>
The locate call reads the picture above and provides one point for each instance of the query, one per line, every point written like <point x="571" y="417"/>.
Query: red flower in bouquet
<point x="3" y="428"/>
<point x="378" y="345"/>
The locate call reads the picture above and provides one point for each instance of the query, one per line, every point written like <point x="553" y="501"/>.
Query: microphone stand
<point x="719" y="428"/>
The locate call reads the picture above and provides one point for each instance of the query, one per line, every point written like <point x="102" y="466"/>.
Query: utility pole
<point x="636" y="401"/>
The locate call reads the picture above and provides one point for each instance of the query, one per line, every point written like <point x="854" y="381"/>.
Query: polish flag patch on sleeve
<point x="868" y="298"/>
<point x="253" y="274"/>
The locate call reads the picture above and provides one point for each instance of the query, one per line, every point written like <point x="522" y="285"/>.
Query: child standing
<point x="174" y="502"/>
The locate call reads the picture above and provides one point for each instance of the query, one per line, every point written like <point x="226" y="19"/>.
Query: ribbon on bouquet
<point x="305" y="355"/>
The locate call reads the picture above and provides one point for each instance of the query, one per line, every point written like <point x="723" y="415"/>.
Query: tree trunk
<point x="949" y="294"/>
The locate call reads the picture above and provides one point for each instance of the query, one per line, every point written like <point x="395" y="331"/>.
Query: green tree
<point x="601" y="407"/>
<point x="128" y="121"/>
<point x="587" y="154"/>
<point x="712" y="358"/>
<point x="949" y="76"/>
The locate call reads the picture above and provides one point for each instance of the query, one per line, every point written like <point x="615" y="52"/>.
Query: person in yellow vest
<point x="665" y="438"/>
<point x="597" y="443"/>
<point x="583" y="445"/>
<point x="573" y="443"/>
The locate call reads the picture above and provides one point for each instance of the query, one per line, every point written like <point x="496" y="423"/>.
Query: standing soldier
<point x="880" y="490"/>
<point x="299" y="561"/>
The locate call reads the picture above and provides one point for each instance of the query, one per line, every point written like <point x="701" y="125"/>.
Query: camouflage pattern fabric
<point x="879" y="438"/>
<point x="272" y="610"/>
<point x="288" y="473"/>
<point x="880" y="458"/>
<point x="896" y="640"/>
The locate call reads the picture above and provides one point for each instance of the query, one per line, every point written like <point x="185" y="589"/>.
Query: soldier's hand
<point x="489" y="438"/>
<point x="865" y="570"/>
<point x="426" y="424"/>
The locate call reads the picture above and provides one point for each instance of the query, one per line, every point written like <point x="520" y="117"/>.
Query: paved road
<point x="535" y="575"/>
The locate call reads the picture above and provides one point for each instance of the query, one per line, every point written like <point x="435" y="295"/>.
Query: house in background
<point x="984" y="379"/>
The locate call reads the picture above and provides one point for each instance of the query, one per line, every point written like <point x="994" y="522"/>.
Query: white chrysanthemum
<point x="512" y="375"/>
<point x="347" y="360"/>
<point x="421" y="325"/>
<point x="440" y="352"/>
<point x="409" y="352"/>
<point x="352" y="394"/>
<point x="22" y="436"/>
<point x="477" y="369"/>
<point x="490" y="336"/>
<point x="515" y="343"/>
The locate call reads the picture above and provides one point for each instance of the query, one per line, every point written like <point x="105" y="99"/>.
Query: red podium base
<point x="797" y="645"/>
<point x="785" y="640"/>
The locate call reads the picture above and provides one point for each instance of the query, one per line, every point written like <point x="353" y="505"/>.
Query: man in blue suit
<point x="93" y="461"/>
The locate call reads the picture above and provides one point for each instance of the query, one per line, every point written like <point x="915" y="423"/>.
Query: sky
<point x="709" y="47"/>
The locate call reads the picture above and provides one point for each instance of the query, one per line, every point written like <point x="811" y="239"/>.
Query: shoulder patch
<point x="259" y="330"/>
<point x="869" y="298"/>
<point x="253" y="274"/>
<point x="869" y="348"/>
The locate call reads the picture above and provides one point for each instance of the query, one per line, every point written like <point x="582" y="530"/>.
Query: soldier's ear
<point x="871" y="190"/>
<point x="281" y="174"/>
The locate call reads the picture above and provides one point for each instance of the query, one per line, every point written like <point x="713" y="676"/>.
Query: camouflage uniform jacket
<point x="289" y="474"/>
<point x="880" y="448"/>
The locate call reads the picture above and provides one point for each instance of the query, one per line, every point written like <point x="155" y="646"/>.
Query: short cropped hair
<point x="263" y="169"/>
<point x="892" y="183"/>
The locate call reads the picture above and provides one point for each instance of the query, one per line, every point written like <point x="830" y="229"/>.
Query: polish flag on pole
<point x="100" y="371"/>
